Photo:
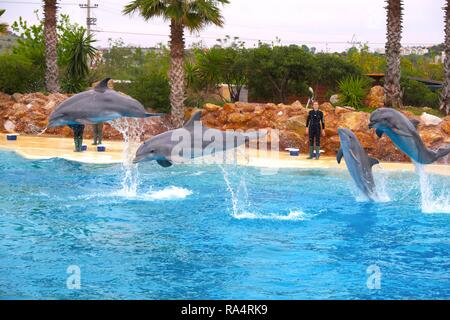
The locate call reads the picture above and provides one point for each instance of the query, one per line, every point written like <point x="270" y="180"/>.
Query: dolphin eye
<point x="152" y="151"/>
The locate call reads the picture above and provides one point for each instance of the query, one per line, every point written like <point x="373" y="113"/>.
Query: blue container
<point x="83" y="147"/>
<point x="294" y="152"/>
<point x="11" y="137"/>
<point x="101" y="148"/>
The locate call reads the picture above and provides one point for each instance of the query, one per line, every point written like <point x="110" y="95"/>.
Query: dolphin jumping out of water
<point x="196" y="140"/>
<point x="100" y="104"/>
<point x="403" y="133"/>
<point x="359" y="164"/>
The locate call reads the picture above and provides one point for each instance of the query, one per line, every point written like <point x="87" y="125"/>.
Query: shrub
<point x="353" y="91"/>
<point x="417" y="94"/>
<point x="18" y="74"/>
<point x="152" y="90"/>
<point x="333" y="68"/>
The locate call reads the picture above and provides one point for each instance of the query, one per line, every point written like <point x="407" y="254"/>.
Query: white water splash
<point x="239" y="197"/>
<point x="380" y="183"/>
<point x="241" y="206"/>
<point x="292" y="216"/>
<point x="166" y="194"/>
<point x="432" y="201"/>
<point x="169" y="193"/>
<point x="132" y="130"/>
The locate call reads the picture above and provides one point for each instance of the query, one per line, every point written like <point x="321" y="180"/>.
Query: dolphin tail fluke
<point x="442" y="152"/>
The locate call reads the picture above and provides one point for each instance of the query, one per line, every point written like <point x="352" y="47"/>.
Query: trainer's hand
<point x="307" y="131"/>
<point x="323" y="133"/>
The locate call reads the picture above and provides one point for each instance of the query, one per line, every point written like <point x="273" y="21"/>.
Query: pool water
<point x="207" y="232"/>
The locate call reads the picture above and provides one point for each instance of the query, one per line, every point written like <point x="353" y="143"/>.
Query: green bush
<point x="353" y="91"/>
<point x="333" y="68"/>
<point x="417" y="94"/>
<point x="152" y="90"/>
<point x="18" y="74"/>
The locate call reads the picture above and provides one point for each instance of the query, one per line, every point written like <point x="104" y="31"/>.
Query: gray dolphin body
<point x="404" y="135"/>
<point x="100" y="104"/>
<point x="359" y="164"/>
<point x="165" y="148"/>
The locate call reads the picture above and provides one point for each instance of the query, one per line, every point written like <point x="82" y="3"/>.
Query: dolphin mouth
<point x="371" y="125"/>
<point x="136" y="160"/>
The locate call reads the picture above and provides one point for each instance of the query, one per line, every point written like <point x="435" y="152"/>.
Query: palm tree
<point x="51" y="63"/>
<point x="394" y="35"/>
<point x="3" y="26"/>
<point x="79" y="53"/>
<point x="445" y="98"/>
<point x="192" y="14"/>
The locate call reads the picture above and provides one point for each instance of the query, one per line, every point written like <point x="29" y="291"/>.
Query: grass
<point x="419" y="110"/>
<point x="414" y="110"/>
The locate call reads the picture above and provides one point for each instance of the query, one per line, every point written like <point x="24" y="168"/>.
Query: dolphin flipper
<point x="339" y="155"/>
<point x="379" y="133"/>
<point x="164" y="163"/>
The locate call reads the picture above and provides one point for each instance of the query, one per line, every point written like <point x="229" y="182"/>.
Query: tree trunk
<point x="445" y="97"/>
<point x="176" y="73"/>
<point x="51" y="57"/>
<point x="393" y="93"/>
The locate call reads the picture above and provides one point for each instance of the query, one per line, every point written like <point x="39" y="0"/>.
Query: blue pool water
<point x="299" y="234"/>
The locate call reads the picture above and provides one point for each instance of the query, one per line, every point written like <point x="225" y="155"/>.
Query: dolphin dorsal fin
<point x="102" y="85"/>
<point x="373" y="161"/>
<point x="415" y="122"/>
<point x="195" y="117"/>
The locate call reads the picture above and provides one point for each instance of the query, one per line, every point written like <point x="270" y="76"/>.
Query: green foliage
<point x="224" y="63"/>
<point x="366" y="61"/>
<point x="353" y="90"/>
<point x="152" y="90"/>
<point x="333" y="68"/>
<point x="276" y="71"/>
<point x="74" y="50"/>
<point x="3" y="26"/>
<point x="144" y="73"/>
<point x="31" y="42"/>
<point x="126" y="63"/>
<point x="18" y="74"/>
<point x="76" y="59"/>
<point x="417" y="94"/>
<point x="422" y="66"/>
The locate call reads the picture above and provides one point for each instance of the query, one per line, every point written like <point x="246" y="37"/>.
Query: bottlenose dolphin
<point x="403" y="133"/>
<point x="359" y="164"/>
<point x="192" y="140"/>
<point x="100" y="104"/>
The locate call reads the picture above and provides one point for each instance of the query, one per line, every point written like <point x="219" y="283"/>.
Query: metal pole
<point x="88" y="20"/>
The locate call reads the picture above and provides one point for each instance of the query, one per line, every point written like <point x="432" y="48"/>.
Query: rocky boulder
<point x="375" y="98"/>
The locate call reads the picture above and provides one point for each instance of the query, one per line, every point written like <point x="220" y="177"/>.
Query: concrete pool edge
<point x="47" y="147"/>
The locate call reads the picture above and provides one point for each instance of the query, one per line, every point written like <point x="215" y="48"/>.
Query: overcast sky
<point x="324" y="24"/>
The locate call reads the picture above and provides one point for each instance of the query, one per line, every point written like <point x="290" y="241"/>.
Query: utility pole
<point x="89" y="20"/>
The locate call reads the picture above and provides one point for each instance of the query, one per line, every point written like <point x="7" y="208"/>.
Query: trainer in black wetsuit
<point x="315" y="123"/>
<point x="77" y="136"/>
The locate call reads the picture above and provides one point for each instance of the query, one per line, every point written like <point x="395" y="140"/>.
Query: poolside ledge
<point x="47" y="147"/>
